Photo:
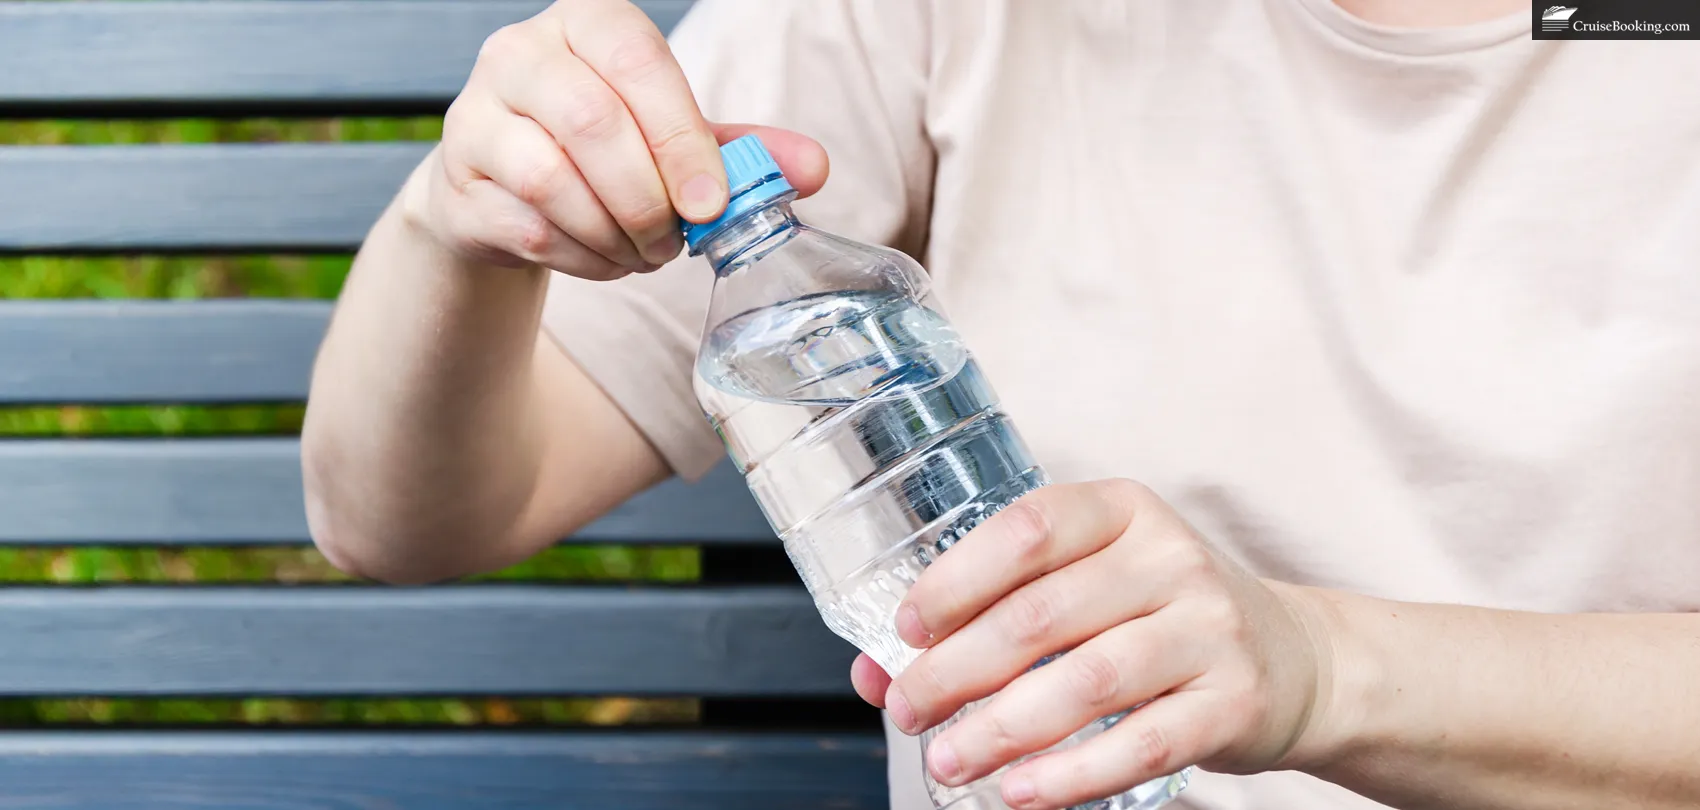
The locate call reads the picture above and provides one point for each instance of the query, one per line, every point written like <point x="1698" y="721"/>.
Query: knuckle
<point x="529" y="235"/>
<point x="922" y="686"/>
<point x="591" y="112"/>
<point x="646" y="215"/>
<point x="542" y="180"/>
<point x="1000" y="738"/>
<point x="469" y="124"/>
<point x="1151" y="750"/>
<point x="1186" y="560"/>
<point x="939" y="596"/>
<point x="1225" y="619"/>
<point x="669" y="137"/>
<point x="1127" y="490"/>
<point x="1029" y="525"/>
<point x="1194" y="561"/>
<point x="1092" y="676"/>
<point x="638" y="56"/>
<point x="1029" y="616"/>
<point x="502" y="42"/>
<point x="457" y="118"/>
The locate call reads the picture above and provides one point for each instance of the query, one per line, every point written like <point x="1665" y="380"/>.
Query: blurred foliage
<point x="130" y="420"/>
<point x="171" y="276"/>
<point x="217" y="130"/>
<point x="295" y="276"/>
<point x="274" y="711"/>
<point x="301" y="565"/>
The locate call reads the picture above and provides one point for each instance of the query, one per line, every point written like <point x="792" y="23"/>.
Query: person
<point x="1389" y="308"/>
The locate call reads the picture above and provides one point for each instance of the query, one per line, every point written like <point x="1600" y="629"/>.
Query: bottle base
<point x="1149" y="796"/>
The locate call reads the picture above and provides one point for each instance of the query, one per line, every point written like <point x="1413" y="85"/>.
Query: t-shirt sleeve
<point x="849" y="73"/>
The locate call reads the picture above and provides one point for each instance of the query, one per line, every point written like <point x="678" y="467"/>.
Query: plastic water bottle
<point x="859" y="419"/>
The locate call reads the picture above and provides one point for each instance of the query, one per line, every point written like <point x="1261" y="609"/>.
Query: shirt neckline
<point x="1418" y="41"/>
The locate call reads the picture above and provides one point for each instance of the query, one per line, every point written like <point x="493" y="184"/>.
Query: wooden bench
<point x="779" y="726"/>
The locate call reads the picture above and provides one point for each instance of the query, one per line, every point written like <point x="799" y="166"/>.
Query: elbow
<point x="366" y="543"/>
<point x="326" y="524"/>
<point x="373" y="517"/>
<point x="372" y="553"/>
<point x="333" y="546"/>
<point x="333" y="531"/>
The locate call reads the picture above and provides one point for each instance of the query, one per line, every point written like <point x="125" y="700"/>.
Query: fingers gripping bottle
<point x="859" y="419"/>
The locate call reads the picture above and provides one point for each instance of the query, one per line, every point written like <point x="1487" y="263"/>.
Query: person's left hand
<point x="1232" y="666"/>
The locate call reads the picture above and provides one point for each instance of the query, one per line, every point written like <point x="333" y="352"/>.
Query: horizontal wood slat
<point x="359" y="57"/>
<point x="248" y="491"/>
<point x="462" y="640"/>
<point x="158" y="351"/>
<point x="225" y="197"/>
<point x="443" y="771"/>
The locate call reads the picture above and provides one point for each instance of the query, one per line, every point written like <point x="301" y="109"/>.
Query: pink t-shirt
<point x="1409" y="313"/>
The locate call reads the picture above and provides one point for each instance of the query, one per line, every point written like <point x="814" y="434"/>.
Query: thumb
<point x="801" y="157"/>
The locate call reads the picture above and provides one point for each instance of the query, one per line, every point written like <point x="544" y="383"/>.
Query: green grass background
<point x="309" y="276"/>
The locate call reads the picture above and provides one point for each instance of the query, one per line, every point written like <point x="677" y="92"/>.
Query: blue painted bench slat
<point x="56" y="352"/>
<point x="247" y="491"/>
<point x="442" y="771"/>
<point x="753" y="640"/>
<point x="355" y="56"/>
<point x="223" y="197"/>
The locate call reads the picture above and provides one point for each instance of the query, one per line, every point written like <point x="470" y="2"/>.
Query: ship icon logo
<point x="1557" y="18"/>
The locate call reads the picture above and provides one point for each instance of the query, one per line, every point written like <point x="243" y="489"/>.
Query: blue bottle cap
<point x="754" y="178"/>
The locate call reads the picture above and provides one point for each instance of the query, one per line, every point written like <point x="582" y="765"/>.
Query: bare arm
<point x="445" y="435"/>
<point x="1437" y="706"/>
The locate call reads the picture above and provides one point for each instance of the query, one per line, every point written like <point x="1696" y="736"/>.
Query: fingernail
<point x="702" y="196"/>
<point x="943" y="760"/>
<point x="901" y="715"/>
<point x="662" y="250"/>
<point x="1018" y="790"/>
<point x="909" y="627"/>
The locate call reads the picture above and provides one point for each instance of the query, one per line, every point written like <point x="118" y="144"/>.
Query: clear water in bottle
<point x="899" y="447"/>
<point x="860" y="420"/>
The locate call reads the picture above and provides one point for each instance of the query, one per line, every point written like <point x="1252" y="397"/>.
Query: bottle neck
<point x="748" y="231"/>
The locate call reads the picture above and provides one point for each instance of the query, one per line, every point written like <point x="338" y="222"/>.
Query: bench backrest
<point x="746" y="639"/>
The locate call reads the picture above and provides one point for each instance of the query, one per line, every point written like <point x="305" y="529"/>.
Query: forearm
<point x="1436" y="706"/>
<point x="421" y="435"/>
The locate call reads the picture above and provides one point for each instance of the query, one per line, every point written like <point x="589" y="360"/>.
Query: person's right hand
<point x="574" y="143"/>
